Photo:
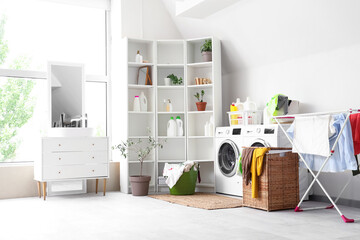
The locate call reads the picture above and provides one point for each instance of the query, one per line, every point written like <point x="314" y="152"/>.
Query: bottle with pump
<point x="169" y="107"/>
<point x="180" y="127"/>
<point x="143" y="102"/>
<point x="136" y="107"/>
<point x="206" y="129"/>
<point x="171" y="128"/>
<point x="211" y="126"/>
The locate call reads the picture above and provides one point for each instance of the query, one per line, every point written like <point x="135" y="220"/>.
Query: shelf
<point x="132" y="112"/>
<point x="177" y="137"/>
<point x="171" y="113"/>
<point x="139" y="136"/>
<point x="200" y="64"/>
<point x="200" y="136"/>
<point x="136" y="161"/>
<point x="135" y="86"/>
<point x="171" y="161"/>
<point x="171" y="87"/>
<point x="199" y="112"/>
<point x="200" y="86"/>
<point x="170" y="65"/>
<point x="135" y="64"/>
<point x="202" y="160"/>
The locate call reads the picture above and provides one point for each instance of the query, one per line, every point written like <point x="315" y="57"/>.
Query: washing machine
<point x="228" y="141"/>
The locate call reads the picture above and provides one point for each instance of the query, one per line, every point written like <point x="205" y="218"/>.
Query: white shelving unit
<point x="183" y="59"/>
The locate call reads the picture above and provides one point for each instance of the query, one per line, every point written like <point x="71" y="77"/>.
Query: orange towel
<point x="256" y="169"/>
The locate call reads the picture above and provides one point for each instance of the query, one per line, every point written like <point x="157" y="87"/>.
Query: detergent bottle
<point x="239" y="105"/>
<point x="249" y="105"/>
<point x="143" y="102"/>
<point x="179" y="126"/>
<point x="211" y="126"/>
<point x="171" y="128"/>
<point x="136" y="107"/>
<point x="233" y="117"/>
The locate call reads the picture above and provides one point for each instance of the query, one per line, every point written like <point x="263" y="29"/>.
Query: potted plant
<point x="174" y="79"/>
<point x="167" y="81"/>
<point x="139" y="183"/>
<point x="206" y="51"/>
<point x="201" y="105"/>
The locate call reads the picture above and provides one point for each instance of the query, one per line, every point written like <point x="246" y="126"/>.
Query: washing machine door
<point x="228" y="155"/>
<point x="259" y="143"/>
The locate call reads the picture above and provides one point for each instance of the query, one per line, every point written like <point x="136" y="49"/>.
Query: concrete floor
<point x="121" y="216"/>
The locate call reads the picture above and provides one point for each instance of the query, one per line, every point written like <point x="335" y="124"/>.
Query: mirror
<point x="144" y="76"/>
<point x="67" y="94"/>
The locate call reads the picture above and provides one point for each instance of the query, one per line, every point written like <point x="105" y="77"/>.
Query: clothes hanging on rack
<point x="343" y="157"/>
<point x="311" y="134"/>
<point x="355" y="129"/>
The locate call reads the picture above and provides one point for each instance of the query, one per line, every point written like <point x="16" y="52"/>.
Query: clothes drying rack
<point x="316" y="176"/>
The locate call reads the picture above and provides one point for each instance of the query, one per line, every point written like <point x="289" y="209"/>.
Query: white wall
<point x="147" y="19"/>
<point x="306" y="49"/>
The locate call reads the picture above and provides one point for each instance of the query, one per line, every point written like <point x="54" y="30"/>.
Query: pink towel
<point x="355" y="130"/>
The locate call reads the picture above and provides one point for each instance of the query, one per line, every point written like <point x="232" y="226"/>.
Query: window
<point x="33" y="32"/>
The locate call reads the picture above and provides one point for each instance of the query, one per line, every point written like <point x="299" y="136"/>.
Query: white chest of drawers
<point x="72" y="158"/>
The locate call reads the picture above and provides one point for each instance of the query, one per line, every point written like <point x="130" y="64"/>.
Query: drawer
<point x="73" y="158"/>
<point x="75" y="144"/>
<point x="75" y="171"/>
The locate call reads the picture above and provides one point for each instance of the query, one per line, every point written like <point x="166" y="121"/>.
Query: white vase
<point x="167" y="81"/>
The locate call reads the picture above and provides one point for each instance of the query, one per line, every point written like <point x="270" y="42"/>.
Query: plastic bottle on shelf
<point x="206" y="128"/>
<point x="239" y="105"/>
<point x="233" y="117"/>
<point x="249" y="105"/>
<point x="136" y="107"/>
<point x="171" y="128"/>
<point x="138" y="57"/>
<point x="179" y="126"/>
<point x="169" y="107"/>
<point x="143" y="102"/>
<point x="211" y="126"/>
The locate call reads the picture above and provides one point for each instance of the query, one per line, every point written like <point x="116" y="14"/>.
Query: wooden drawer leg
<point x="96" y="186"/>
<point x="44" y="190"/>
<point x="39" y="189"/>
<point x="104" y="186"/>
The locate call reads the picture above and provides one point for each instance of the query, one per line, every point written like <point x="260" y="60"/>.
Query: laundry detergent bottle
<point x="136" y="107"/>
<point x="143" y="102"/>
<point x="239" y="105"/>
<point x="249" y="105"/>
<point x="171" y="128"/>
<point x="179" y="126"/>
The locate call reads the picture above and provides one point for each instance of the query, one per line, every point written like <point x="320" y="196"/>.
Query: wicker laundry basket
<point x="278" y="184"/>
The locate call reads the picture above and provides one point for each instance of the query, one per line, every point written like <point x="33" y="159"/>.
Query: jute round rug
<point x="207" y="201"/>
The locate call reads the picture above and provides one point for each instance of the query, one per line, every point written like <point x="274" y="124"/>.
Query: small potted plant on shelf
<point x="174" y="79"/>
<point x="206" y="51"/>
<point x="142" y="149"/>
<point x="201" y="105"/>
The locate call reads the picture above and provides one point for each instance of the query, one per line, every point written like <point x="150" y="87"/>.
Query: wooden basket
<point x="278" y="184"/>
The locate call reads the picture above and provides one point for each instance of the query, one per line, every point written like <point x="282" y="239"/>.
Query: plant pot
<point x="167" y="81"/>
<point x="207" y="56"/>
<point x="140" y="185"/>
<point x="201" y="106"/>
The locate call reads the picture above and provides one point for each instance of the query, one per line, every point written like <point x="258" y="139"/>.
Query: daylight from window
<point x="33" y="32"/>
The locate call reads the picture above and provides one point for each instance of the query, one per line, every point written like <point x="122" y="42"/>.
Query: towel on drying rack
<point x="343" y="157"/>
<point x="311" y="134"/>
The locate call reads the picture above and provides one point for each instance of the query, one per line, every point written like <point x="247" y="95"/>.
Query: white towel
<point x="173" y="172"/>
<point x="311" y="134"/>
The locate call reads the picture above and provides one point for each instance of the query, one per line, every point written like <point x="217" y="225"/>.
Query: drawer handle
<point x="93" y="144"/>
<point x="59" y="172"/>
<point x="93" y="170"/>
<point x="93" y="157"/>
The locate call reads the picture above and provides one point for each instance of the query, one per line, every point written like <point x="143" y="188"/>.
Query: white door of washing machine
<point x="228" y="155"/>
<point x="226" y="179"/>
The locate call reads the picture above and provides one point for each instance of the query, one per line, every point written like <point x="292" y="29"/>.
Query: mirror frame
<point x="147" y="77"/>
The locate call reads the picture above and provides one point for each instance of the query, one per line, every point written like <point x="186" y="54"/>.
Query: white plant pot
<point x="167" y="81"/>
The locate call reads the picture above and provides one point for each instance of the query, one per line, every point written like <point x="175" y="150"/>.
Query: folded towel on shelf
<point x="355" y="129"/>
<point x="172" y="172"/>
<point x="343" y="157"/>
<point x="256" y="169"/>
<point x="311" y="135"/>
<point x="246" y="160"/>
